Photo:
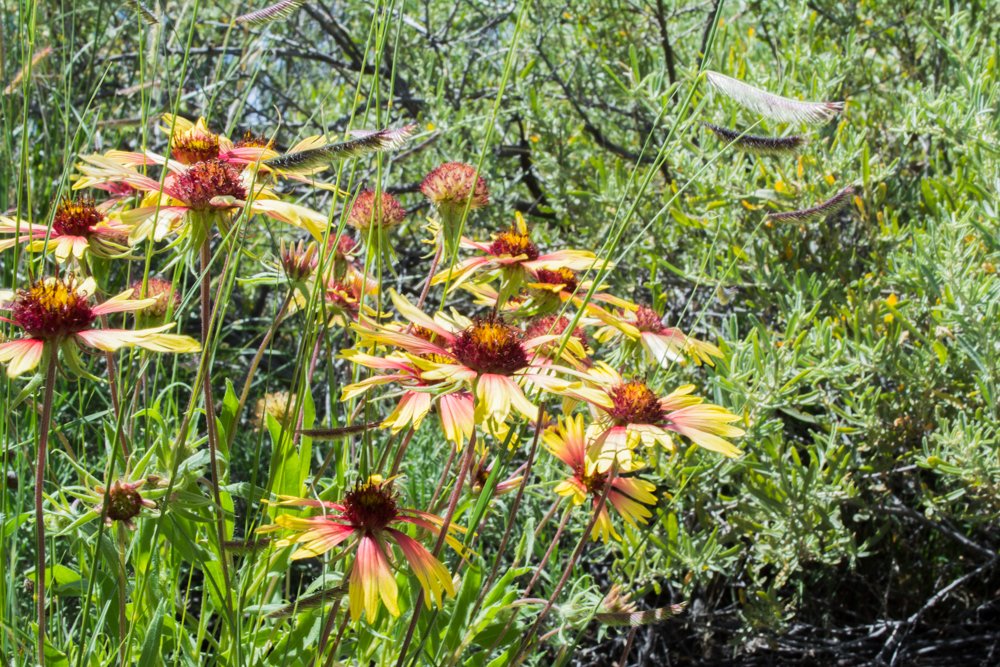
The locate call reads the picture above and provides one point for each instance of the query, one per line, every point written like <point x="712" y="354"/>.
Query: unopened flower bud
<point x="298" y="261"/>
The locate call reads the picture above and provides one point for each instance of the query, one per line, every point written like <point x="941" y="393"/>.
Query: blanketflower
<point x="370" y="516"/>
<point x="630" y="413"/>
<point x="628" y="496"/>
<point x="487" y="356"/>
<point x="515" y="256"/>
<point x="56" y="314"/>
<point x="78" y="227"/>
<point x="661" y="344"/>
<point x="194" y="197"/>
<point x="419" y="397"/>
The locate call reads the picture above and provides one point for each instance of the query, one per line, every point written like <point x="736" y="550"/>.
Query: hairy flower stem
<point x="43" y="445"/>
<point x="252" y="371"/>
<point x="542" y="564"/>
<point x="213" y="434"/>
<point x="568" y="570"/>
<point x="513" y="512"/>
<point x="470" y="455"/>
<point x="398" y="460"/>
<point x="444" y="476"/>
<point x="122" y="580"/>
<point x="538" y="572"/>
<point x="430" y="275"/>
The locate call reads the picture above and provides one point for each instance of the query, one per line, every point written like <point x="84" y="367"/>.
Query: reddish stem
<point x="43" y="445"/>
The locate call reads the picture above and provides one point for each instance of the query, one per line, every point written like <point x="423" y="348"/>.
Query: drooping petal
<point x="121" y="303"/>
<point x="433" y="576"/>
<point x="704" y="424"/>
<point x="21" y="355"/>
<point x="305" y="218"/>
<point x="457" y="416"/>
<point x="110" y="340"/>
<point x="411" y="410"/>
<point x="370" y="580"/>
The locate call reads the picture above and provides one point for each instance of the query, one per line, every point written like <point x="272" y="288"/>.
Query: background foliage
<point x="862" y="351"/>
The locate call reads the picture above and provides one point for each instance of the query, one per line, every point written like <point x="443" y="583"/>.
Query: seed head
<point x="455" y="185"/>
<point x="646" y="319"/>
<point x="161" y="290"/>
<point x="124" y="502"/>
<point x="561" y="276"/>
<point x="513" y="243"/>
<point x="371" y="210"/>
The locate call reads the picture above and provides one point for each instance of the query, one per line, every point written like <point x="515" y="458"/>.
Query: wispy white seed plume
<point x="277" y="11"/>
<point x="819" y="212"/>
<point x="365" y="142"/>
<point x="775" y="107"/>
<point x="636" y="618"/>
<point x="757" y="144"/>
<point x="145" y="12"/>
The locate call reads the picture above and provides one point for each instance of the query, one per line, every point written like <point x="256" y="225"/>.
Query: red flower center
<point x="194" y="146"/>
<point x="561" y="276"/>
<point x="635" y="403"/>
<point x="594" y="482"/>
<point x="124" y="502"/>
<point x="371" y="505"/>
<point x="513" y="243"/>
<point x="76" y="217"/>
<point x="646" y="319"/>
<point x="491" y="346"/>
<point x="51" y="309"/>
<point x="251" y="140"/>
<point x="204" y="181"/>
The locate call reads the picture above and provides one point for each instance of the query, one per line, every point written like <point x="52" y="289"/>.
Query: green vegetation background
<point x="863" y="350"/>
